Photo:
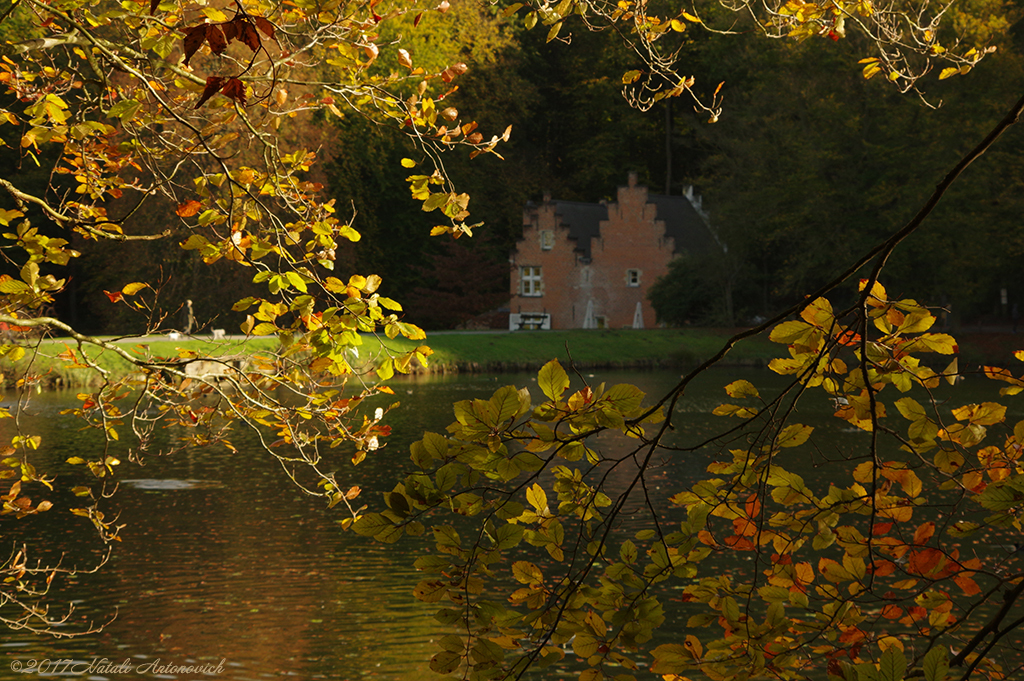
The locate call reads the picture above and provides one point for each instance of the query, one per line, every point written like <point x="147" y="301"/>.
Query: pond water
<point x="224" y="562"/>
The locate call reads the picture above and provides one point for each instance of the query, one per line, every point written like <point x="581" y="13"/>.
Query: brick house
<point x="589" y="265"/>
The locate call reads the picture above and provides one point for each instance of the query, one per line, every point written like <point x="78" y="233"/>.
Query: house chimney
<point x="632" y="178"/>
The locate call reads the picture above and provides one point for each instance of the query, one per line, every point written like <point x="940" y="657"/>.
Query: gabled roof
<point x="682" y="222"/>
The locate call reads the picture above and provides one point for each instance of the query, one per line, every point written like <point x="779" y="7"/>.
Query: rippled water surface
<point x="225" y="562"/>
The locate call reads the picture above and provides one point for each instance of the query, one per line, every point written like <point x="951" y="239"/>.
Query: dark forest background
<point x="809" y="164"/>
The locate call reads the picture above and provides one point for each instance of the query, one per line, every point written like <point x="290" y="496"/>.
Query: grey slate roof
<point x="682" y="222"/>
<point x="583" y="221"/>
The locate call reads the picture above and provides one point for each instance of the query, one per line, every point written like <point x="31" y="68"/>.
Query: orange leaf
<point x="115" y="296"/>
<point x="925" y="561"/>
<point x="924" y="533"/>
<point x="968" y="585"/>
<point x="188" y="209"/>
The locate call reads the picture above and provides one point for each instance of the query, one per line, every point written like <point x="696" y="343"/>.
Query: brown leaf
<point x="194" y="39"/>
<point x="187" y="210"/>
<point x="153" y="5"/>
<point x="265" y="26"/>
<point x="215" y="37"/>
<point x="234" y="89"/>
<point x="416" y="21"/>
<point x="231" y="29"/>
<point x="248" y="35"/>
<point x="213" y="85"/>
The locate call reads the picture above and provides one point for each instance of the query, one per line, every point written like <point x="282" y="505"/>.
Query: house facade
<point x="589" y="265"/>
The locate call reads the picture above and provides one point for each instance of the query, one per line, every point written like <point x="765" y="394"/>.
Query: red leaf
<point x="214" y="36"/>
<point x="234" y="89"/>
<point x="187" y="210"/>
<point x="880" y="529"/>
<point x="194" y="39"/>
<point x="115" y="296"/>
<point x="264" y="25"/>
<point x="376" y="17"/>
<point x="213" y="84"/>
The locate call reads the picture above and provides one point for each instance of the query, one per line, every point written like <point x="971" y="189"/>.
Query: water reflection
<point x="224" y="559"/>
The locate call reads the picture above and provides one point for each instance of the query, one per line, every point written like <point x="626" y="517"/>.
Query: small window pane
<point x="532" y="281"/>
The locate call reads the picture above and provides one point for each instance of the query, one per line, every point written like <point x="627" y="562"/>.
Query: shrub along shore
<point x="54" y="365"/>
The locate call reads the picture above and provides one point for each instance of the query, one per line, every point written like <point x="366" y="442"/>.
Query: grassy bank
<point x="60" y="362"/>
<point x="49" y="363"/>
<point x="591" y="348"/>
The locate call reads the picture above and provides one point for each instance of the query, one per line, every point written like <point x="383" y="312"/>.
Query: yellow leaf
<point x="741" y="388"/>
<point x="795" y="435"/>
<point x="678" y="26"/>
<point x="690" y="17"/>
<point x="948" y="73"/>
<point x="408" y="163"/>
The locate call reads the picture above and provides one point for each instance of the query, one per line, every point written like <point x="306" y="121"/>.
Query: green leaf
<point x="671" y="658"/>
<point x="504" y="404"/>
<point x="370" y="524"/>
<point x="553" y="380"/>
<point x="892" y="665"/>
<point x="935" y="664"/>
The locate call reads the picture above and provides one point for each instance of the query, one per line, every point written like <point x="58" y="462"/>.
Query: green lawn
<point x="622" y="347"/>
<point x="472" y="351"/>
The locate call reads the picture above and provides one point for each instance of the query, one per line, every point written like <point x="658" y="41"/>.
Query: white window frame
<point x="547" y="240"/>
<point x="633" y="278"/>
<point x="531" y="281"/>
